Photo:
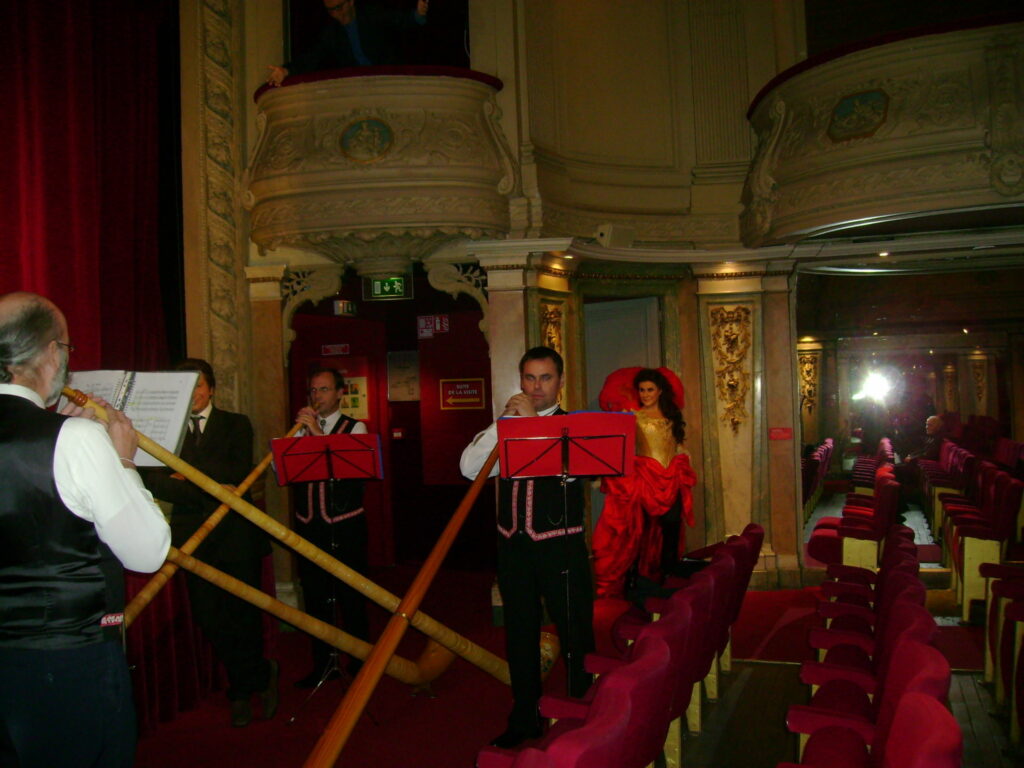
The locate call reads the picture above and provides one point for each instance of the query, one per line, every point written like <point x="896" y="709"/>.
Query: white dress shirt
<point x="95" y="486"/>
<point x="475" y="454"/>
<point x="326" y="424"/>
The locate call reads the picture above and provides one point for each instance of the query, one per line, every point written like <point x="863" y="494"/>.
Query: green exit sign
<point x="386" y="288"/>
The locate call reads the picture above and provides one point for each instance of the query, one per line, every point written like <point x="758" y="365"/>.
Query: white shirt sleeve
<point x="475" y="454"/>
<point x="95" y="486"/>
<point x="359" y="429"/>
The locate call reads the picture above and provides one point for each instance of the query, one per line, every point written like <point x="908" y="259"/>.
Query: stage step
<point x="936" y="576"/>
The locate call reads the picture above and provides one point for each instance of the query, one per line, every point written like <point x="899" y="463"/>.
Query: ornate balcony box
<point x="924" y="126"/>
<point x="377" y="166"/>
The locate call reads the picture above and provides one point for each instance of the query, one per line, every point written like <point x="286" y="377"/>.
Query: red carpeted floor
<point x="442" y="728"/>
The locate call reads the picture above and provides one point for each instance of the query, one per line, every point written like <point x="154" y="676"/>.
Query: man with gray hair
<point x="73" y="512"/>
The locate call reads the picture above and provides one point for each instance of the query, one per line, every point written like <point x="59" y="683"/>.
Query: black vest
<point x="536" y="508"/>
<point x="57" y="579"/>
<point x="332" y="501"/>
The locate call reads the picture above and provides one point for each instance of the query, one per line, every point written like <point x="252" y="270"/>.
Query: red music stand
<point x="582" y="444"/>
<point x="342" y="456"/>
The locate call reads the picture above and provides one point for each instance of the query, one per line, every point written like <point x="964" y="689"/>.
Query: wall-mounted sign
<point x="428" y="326"/>
<point x="462" y="394"/>
<point x="780" y="433"/>
<point x="326" y="350"/>
<point x="344" y="308"/>
<point x="387" y="288"/>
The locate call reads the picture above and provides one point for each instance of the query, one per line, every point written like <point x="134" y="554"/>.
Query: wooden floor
<point x="747" y="726"/>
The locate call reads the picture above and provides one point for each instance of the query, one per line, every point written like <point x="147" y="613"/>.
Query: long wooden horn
<point x="161" y="577"/>
<point x="471" y="652"/>
<point x="334" y="737"/>
<point x="430" y="664"/>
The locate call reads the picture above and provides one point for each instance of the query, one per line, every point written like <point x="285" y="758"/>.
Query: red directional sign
<point x="462" y="394"/>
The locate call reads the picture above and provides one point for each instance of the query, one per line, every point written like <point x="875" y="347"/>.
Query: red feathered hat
<point x="619" y="394"/>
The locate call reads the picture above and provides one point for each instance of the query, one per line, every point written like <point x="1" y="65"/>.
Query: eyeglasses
<point x="71" y="347"/>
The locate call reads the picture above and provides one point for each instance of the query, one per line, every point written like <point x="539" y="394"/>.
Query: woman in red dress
<point x="640" y="527"/>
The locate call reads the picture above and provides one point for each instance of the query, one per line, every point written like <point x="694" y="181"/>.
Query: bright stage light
<point x="876" y="387"/>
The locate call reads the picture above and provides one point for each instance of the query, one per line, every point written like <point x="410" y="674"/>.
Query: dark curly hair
<point x="666" y="400"/>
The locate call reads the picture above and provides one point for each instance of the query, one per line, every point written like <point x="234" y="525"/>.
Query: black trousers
<point x="70" y="708"/>
<point x="557" y="570"/>
<point x="346" y="541"/>
<point x="233" y="627"/>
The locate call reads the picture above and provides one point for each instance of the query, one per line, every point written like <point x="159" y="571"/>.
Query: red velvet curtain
<point x="79" y="189"/>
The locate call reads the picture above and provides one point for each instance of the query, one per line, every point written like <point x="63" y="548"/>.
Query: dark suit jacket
<point x="224" y="453"/>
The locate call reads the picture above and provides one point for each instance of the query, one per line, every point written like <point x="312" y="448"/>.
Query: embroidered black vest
<point x="57" y="579"/>
<point x="330" y="501"/>
<point x="536" y="507"/>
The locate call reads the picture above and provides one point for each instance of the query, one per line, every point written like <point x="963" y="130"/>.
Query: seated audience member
<point x="361" y="34"/>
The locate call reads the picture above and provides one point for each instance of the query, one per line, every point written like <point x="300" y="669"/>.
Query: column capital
<point x="265" y="281"/>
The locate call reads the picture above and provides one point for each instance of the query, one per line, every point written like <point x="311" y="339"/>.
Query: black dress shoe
<point x="313" y="678"/>
<point x="513" y="737"/>
<point x="269" y="697"/>
<point x="241" y="713"/>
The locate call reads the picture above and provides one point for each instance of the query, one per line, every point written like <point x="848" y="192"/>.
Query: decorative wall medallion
<point x="858" y="115"/>
<point x="808" y="365"/>
<point x="366" y="141"/>
<point x="731" y="332"/>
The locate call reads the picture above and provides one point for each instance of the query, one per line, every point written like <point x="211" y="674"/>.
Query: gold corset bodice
<point x="654" y="438"/>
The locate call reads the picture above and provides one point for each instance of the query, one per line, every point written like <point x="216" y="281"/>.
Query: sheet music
<point x="158" y="403"/>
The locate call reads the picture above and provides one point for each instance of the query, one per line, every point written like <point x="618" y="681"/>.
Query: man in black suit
<point x="219" y="444"/>
<point x="330" y="515"/>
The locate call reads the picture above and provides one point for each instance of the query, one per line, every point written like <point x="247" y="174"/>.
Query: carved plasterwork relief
<point x="950" y="388"/>
<point x="551" y="326"/>
<point x="808" y="367"/>
<point x="979" y="377"/>
<point x="1006" y="116"/>
<point x="217" y="301"/>
<point x="760" y="190"/>
<point x="377" y="172"/>
<point x="929" y="123"/>
<point x="454" y="279"/>
<point x="731" y="335"/>
<point x="302" y="285"/>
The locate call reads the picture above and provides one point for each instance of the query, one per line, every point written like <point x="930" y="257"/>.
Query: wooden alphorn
<point x="161" y="577"/>
<point x="456" y="643"/>
<point x="336" y="734"/>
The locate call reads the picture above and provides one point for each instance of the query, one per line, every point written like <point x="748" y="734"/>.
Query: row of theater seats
<point x="879" y="687"/>
<point x="633" y="712"/>
<point x="813" y="469"/>
<point x="869" y="511"/>
<point x="1004" y="641"/>
<point x="976" y="509"/>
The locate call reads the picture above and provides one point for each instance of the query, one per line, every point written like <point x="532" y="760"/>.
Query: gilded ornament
<point x="731" y="333"/>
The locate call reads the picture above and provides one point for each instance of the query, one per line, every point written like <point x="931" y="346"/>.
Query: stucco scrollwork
<point x="731" y="335"/>
<point x="1006" y="117"/>
<point x="808" y="367"/>
<point x="760" y="191"/>
<point x="301" y="285"/>
<point x="454" y="279"/>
